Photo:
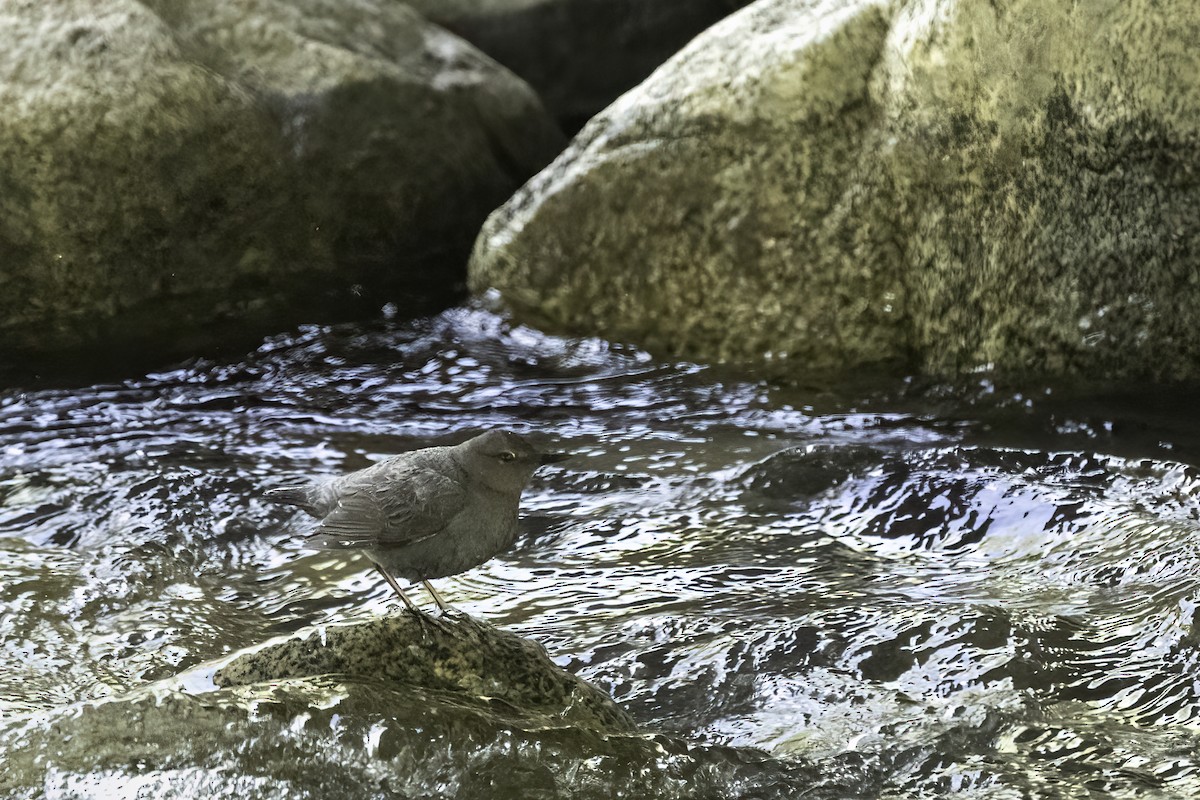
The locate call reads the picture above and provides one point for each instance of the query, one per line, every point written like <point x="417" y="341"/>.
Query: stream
<point x="888" y="591"/>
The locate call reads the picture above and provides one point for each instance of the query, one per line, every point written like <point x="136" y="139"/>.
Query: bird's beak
<point x="552" y="458"/>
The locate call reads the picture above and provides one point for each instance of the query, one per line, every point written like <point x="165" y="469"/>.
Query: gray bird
<point x="425" y="514"/>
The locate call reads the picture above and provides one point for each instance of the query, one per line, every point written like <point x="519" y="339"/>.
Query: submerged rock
<point x="381" y="708"/>
<point x="799" y="474"/>
<point x="460" y="655"/>
<point x="922" y="185"/>
<point x="171" y="168"/>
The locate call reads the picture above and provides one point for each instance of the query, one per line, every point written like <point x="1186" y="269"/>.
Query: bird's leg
<point x="442" y="605"/>
<point x="387" y="576"/>
<point x="448" y="609"/>
<point x="422" y="618"/>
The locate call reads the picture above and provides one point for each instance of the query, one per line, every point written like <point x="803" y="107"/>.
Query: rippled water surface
<point x="906" y="593"/>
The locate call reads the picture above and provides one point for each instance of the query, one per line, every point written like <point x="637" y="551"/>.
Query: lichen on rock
<point x="931" y="186"/>
<point x="387" y="707"/>
<point x="458" y="655"/>
<point x="172" y="169"/>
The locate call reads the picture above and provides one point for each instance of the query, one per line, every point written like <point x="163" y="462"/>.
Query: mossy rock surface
<point x="455" y="655"/>
<point x="920" y="186"/>
<point x="384" y="708"/>
<point x="179" y="168"/>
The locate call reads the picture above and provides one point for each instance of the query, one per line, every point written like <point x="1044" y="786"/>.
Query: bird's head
<point x="504" y="461"/>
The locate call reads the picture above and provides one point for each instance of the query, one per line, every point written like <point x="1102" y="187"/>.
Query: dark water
<point x="897" y="592"/>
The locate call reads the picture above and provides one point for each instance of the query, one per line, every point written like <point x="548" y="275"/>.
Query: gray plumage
<point x="425" y="514"/>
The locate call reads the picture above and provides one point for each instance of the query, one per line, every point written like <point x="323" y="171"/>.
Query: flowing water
<point x="911" y="592"/>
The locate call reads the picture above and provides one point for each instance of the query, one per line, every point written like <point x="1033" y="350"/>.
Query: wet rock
<point x="579" y="55"/>
<point x="921" y="185"/>
<point x="468" y="712"/>
<point x="798" y="474"/>
<point x="460" y="655"/>
<point x="179" y="170"/>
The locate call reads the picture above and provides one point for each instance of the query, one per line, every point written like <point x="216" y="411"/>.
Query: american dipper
<point x="425" y="514"/>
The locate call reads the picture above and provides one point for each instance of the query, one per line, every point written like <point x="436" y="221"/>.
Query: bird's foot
<point x="429" y="623"/>
<point x="463" y="620"/>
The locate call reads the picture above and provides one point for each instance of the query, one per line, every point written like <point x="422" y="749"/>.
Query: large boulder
<point x="921" y="185"/>
<point x="168" y="166"/>
<point x="579" y="55"/>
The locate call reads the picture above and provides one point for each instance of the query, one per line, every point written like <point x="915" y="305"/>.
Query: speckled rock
<point x="470" y="712"/>
<point x="189" y="165"/>
<point x="460" y="655"/>
<point x="579" y="55"/>
<point x="926" y="185"/>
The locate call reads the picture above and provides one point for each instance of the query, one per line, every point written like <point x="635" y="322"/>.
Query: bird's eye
<point x="507" y="456"/>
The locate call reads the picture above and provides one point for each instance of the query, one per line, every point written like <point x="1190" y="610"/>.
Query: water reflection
<point x="918" y="596"/>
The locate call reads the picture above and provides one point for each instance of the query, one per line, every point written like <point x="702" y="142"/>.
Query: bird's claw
<point x="427" y="621"/>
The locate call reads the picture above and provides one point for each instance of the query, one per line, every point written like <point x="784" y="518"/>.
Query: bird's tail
<point x="292" y="496"/>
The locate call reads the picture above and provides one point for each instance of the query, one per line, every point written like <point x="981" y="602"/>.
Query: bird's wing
<point x="394" y="509"/>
